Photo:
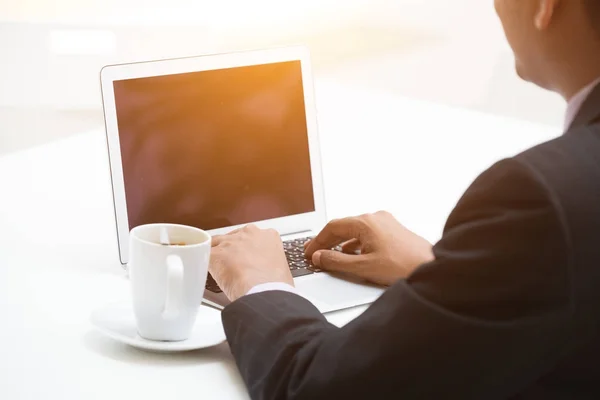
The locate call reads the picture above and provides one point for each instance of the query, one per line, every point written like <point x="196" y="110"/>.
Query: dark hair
<point x="593" y="10"/>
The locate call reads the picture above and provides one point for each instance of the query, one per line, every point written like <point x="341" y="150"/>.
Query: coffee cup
<point x="168" y="267"/>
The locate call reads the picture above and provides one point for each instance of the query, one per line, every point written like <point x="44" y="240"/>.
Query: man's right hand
<point x="388" y="250"/>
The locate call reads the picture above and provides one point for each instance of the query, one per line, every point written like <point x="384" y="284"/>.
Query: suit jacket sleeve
<point x="486" y="318"/>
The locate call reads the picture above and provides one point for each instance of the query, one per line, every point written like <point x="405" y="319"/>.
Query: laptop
<point x="218" y="142"/>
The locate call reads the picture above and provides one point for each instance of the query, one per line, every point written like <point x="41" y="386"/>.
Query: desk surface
<point x="58" y="253"/>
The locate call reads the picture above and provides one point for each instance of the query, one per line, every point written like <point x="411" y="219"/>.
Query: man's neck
<point x="579" y="69"/>
<point x="582" y="81"/>
<point x="577" y="101"/>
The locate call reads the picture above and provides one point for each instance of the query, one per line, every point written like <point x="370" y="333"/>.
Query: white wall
<point x="52" y="57"/>
<point x="451" y="52"/>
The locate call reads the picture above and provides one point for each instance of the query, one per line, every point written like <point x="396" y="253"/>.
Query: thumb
<point x="336" y="261"/>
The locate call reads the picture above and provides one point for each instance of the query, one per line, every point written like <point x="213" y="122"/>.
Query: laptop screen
<point x="213" y="149"/>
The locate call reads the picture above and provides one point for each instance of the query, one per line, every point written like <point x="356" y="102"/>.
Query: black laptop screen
<point x="215" y="148"/>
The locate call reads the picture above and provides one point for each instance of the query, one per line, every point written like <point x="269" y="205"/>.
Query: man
<point x="506" y="305"/>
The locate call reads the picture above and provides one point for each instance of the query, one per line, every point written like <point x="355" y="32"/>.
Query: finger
<point x="213" y="268"/>
<point x="250" y="228"/>
<point x="214" y="264"/>
<point x="351" y="247"/>
<point x="217" y="240"/>
<point x="217" y="266"/>
<point x="337" y="232"/>
<point x="331" y="260"/>
<point x="215" y="254"/>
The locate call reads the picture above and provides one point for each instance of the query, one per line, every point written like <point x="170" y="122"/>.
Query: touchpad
<point x="329" y="292"/>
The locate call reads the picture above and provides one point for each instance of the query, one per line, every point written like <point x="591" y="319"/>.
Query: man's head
<point x="556" y="42"/>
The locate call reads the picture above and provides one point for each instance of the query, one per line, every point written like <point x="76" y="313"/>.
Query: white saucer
<point x="117" y="322"/>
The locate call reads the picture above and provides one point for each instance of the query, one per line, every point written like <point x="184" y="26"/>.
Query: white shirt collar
<point x="576" y="103"/>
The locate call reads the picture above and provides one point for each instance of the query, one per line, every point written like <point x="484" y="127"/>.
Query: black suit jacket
<point x="510" y="308"/>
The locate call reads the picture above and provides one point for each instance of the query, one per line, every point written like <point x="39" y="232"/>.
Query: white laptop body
<point x="219" y="142"/>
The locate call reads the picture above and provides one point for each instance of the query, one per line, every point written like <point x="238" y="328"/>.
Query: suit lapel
<point x="590" y="110"/>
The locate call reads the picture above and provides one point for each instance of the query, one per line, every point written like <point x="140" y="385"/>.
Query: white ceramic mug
<point x="168" y="266"/>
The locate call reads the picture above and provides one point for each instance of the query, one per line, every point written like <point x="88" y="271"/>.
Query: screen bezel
<point x="284" y="225"/>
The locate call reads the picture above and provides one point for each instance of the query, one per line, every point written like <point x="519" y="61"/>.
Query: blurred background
<point x="446" y="51"/>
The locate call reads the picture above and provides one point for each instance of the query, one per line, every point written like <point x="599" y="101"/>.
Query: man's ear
<point x="545" y="12"/>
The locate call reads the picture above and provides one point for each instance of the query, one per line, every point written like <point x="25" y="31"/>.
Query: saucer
<point x="117" y="322"/>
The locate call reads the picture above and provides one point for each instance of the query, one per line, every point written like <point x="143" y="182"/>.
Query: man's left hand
<point x="248" y="257"/>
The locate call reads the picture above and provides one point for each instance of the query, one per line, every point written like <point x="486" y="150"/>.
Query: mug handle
<point x="174" y="286"/>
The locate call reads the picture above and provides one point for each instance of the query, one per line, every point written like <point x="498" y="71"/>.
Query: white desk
<point x="58" y="253"/>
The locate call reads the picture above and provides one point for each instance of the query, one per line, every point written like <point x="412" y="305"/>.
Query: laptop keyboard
<point x="294" y="251"/>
